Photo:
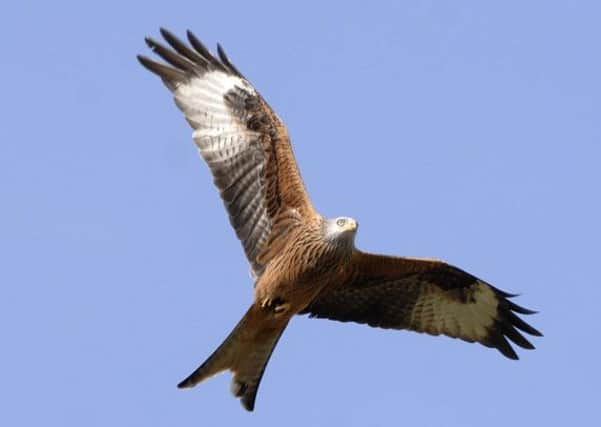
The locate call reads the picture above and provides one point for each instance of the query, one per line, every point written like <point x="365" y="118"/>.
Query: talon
<point x="281" y="308"/>
<point x="276" y="305"/>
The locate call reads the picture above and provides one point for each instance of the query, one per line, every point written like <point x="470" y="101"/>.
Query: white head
<point x="341" y="229"/>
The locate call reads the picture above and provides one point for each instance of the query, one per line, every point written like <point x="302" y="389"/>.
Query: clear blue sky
<point x="464" y="131"/>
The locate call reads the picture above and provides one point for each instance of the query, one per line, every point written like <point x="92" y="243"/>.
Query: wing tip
<point x="183" y="60"/>
<point x="165" y="33"/>
<point x="508" y="326"/>
<point x="169" y="74"/>
<point x="150" y="42"/>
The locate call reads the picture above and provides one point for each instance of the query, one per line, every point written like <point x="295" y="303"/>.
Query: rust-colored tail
<point x="245" y="352"/>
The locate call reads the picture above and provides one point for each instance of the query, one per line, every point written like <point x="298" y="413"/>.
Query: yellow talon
<point x="277" y="305"/>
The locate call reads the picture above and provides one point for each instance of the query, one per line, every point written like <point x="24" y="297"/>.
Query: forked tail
<point x="245" y="352"/>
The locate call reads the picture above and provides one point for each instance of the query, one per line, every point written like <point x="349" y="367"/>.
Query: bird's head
<point x="341" y="229"/>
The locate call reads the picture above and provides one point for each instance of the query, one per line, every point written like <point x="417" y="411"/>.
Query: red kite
<point x="302" y="262"/>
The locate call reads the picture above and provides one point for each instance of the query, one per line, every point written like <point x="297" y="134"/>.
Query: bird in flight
<point x="301" y="262"/>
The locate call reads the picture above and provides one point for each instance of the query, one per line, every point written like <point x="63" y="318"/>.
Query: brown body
<point x="302" y="269"/>
<point x="303" y="263"/>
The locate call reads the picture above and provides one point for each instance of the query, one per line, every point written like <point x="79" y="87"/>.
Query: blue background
<point x="467" y="131"/>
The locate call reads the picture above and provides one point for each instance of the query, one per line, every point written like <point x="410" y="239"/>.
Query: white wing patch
<point x="231" y="149"/>
<point x="436" y="313"/>
<point x="201" y="99"/>
<point x="219" y="133"/>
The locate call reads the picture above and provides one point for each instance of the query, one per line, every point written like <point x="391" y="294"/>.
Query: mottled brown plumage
<point x="304" y="263"/>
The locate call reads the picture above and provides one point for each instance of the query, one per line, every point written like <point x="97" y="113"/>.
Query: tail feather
<point x="248" y="374"/>
<point x="245" y="352"/>
<point x="220" y="360"/>
<point x="216" y="363"/>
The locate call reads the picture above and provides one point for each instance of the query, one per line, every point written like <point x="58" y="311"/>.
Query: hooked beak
<point x="351" y="225"/>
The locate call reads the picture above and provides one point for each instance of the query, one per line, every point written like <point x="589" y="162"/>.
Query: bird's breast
<point x="299" y="274"/>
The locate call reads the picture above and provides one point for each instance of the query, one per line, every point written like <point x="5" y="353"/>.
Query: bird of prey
<point x="301" y="262"/>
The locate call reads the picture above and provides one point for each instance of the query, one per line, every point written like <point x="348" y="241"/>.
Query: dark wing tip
<point x="197" y="44"/>
<point x="226" y="61"/>
<point x="516" y="321"/>
<point x="170" y="38"/>
<point x="184" y="61"/>
<point x="169" y="74"/>
<point x="505" y="347"/>
<point x="144" y="61"/>
<point x="502" y="293"/>
<point x="204" y="52"/>
<point x="166" y="33"/>
<point x="508" y="325"/>
<point x="156" y="46"/>
<point x="519" y="309"/>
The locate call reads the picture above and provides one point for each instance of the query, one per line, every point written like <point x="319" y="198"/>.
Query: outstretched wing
<point x="425" y="296"/>
<point x="243" y="141"/>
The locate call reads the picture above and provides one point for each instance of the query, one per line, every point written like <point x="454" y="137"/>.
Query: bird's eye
<point x="340" y="222"/>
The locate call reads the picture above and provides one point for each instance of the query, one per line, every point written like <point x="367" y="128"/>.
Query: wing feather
<point x="426" y="296"/>
<point x="244" y="143"/>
